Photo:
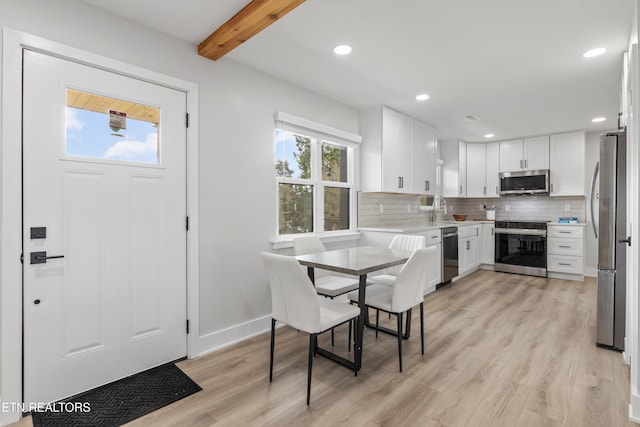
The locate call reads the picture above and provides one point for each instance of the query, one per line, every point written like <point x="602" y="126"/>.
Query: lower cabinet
<point x="488" y="246"/>
<point x="565" y="252"/>
<point x="468" y="249"/>
<point x="434" y="269"/>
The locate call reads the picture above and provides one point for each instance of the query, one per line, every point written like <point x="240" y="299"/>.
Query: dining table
<point x="357" y="261"/>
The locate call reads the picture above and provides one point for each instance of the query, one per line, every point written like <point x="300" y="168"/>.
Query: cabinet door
<point x="397" y="151"/>
<point x="476" y="170"/>
<point x="454" y="169"/>
<point x="567" y="177"/>
<point x="462" y="169"/>
<point x="511" y="155"/>
<point x="536" y="153"/>
<point x="463" y="257"/>
<point x="493" y="169"/>
<point x="467" y="253"/>
<point x="424" y="159"/>
<point x="434" y="268"/>
<point x="488" y="244"/>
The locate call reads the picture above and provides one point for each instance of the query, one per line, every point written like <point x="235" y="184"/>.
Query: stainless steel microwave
<point x="533" y="182"/>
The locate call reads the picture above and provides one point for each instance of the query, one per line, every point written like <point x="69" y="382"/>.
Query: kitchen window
<point x="315" y="177"/>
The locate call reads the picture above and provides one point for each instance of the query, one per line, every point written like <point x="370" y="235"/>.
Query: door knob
<point x="41" y="257"/>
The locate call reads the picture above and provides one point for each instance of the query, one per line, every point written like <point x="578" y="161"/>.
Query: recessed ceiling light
<point x="594" y="52"/>
<point x="598" y="120"/>
<point x="422" y="97"/>
<point x="342" y="49"/>
<point x="489" y="135"/>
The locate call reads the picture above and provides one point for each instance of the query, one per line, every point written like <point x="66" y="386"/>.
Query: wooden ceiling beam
<point x="253" y="18"/>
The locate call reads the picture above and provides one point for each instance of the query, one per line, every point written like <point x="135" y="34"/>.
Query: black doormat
<point x="121" y="401"/>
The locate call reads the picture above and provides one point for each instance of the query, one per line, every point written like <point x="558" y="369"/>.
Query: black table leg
<point x="361" y="320"/>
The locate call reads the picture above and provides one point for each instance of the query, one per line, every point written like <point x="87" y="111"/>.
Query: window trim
<point x="319" y="134"/>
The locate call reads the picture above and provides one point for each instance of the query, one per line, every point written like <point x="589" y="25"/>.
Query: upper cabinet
<point x="567" y="158"/>
<point x="493" y="169"/>
<point x="483" y="169"/>
<point x="454" y="169"/>
<point x="397" y="153"/>
<point x="425" y="147"/>
<point x="524" y="154"/>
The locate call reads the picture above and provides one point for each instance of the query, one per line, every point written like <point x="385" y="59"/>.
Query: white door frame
<point x="11" y="200"/>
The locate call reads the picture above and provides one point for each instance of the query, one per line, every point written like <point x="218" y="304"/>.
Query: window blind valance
<point x="295" y="124"/>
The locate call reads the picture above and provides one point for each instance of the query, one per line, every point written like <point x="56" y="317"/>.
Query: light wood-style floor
<point x="501" y="350"/>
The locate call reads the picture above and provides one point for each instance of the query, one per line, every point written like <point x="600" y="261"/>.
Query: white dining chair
<point x="296" y="303"/>
<point x="407" y="242"/>
<point x="406" y="293"/>
<point x="326" y="284"/>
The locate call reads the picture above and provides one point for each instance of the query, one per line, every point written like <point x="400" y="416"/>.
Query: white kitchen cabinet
<point x="396" y="155"/>
<point x="483" y="169"/>
<point x="468" y="250"/>
<point x="454" y="168"/>
<point x="434" y="264"/>
<point x="488" y="244"/>
<point x="476" y="170"/>
<point x="425" y="146"/>
<point x="566" y="161"/>
<point x="493" y="169"/>
<point x="565" y="251"/>
<point x="524" y="154"/>
<point x="397" y="151"/>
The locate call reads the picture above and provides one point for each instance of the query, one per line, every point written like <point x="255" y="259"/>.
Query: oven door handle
<point x="521" y="231"/>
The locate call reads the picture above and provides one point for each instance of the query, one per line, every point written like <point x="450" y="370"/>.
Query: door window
<point x="101" y="127"/>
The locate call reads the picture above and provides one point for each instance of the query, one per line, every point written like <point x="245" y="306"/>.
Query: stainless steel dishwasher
<point x="449" y="254"/>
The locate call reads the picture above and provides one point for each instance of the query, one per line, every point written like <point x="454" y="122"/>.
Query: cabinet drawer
<point x="434" y="237"/>
<point x="567" y="232"/>
<point x="468" y="231"/>
<point x="565" y="264"/>
<point x="565" y="246"/>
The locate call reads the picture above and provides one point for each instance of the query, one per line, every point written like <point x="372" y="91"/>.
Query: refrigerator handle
<point x="593" y="193"/>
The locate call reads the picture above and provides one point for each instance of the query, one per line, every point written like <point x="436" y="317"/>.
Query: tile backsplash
<point x="525" y="208"/>
<point x="402" y="210"/>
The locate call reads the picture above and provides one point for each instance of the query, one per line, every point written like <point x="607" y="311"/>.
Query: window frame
<point x="317" y="183"/>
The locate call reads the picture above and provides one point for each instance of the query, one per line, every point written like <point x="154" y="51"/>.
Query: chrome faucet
<point x="439" y="204"/>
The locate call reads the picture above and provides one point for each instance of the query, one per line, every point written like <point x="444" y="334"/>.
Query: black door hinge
<point x="186" y="223"/>
<point x="186" y="120"/>
<point x="21" y="258"/>
<point x="187" y="326"/>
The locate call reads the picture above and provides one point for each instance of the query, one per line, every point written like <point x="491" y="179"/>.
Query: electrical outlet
<point x="567" y="207"/>
<point x="381" y="208"/>
<point x="481" y="207"/>
<point x="507" y="208"/>
<point x="409" y="208"/>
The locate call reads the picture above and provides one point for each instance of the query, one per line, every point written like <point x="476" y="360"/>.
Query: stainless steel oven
<point x="521" y="247"/>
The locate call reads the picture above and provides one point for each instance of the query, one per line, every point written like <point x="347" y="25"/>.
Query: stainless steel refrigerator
<point x="612" y="240"/>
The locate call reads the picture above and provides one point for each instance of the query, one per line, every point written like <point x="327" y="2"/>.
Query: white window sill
<point x="287" y="242"/>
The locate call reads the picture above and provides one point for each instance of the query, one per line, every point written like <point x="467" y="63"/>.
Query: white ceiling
<point x="515" y="64"/>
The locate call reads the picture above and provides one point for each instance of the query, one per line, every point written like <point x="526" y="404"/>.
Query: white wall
<point x="237" y="185"/>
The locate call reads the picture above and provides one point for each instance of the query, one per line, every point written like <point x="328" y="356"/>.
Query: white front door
<point x="104" y="239"/>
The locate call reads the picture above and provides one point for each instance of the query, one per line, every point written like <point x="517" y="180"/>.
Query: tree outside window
<point x="314" y="188"/>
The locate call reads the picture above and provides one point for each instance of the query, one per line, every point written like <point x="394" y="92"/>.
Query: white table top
<point x="355" y="261"/>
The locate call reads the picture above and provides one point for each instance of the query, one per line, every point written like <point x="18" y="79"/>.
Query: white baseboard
<point x="634" y="408"/>
<point x="218" y="340"/>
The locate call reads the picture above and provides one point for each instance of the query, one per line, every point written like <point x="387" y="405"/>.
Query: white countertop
<point x="575" y="224"/>
<point x="426" y="227"/>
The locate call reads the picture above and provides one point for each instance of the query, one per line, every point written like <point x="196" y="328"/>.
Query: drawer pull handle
<point x="564" y="263"/>
<point x="564" y="232"/>
<point x="563" y="246"/>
